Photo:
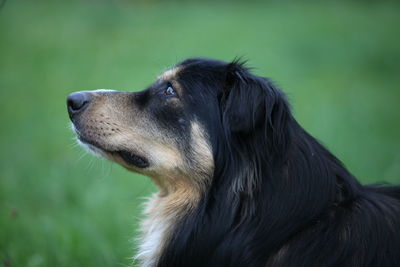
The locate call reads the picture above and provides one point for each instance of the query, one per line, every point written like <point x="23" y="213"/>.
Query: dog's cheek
<point x="171" y="124"/>
<point x="165" y="158"/>
<point x="201" y="153"/>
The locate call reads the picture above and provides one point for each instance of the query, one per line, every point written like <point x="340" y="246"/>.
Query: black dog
<point x="241" y="183"/>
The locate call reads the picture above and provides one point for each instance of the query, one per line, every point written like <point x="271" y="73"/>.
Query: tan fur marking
<point x="202" y="151"/>
<point x="170" y="74"/>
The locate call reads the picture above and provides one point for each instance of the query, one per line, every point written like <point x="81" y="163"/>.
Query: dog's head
<point x="176" y="130"/>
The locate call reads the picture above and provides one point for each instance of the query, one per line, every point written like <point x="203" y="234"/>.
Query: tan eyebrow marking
<point x="170" y="74"/>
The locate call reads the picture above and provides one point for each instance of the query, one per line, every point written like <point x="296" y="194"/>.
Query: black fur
<point x="278" y="197"/>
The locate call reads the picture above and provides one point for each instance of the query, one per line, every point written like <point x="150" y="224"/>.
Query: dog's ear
<point x="249" y="102"/>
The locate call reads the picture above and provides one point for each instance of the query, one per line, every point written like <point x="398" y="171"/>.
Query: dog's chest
<point x="163" y="213"/>
<point x="152" y="243"/>
<point x="156" y="231"/>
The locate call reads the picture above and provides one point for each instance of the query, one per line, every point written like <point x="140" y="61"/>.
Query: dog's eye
<point x="169" y="91"/>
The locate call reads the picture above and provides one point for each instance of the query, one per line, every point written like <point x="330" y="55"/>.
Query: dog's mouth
<point x="133" y="159"/>
<point x="128" y="157"/>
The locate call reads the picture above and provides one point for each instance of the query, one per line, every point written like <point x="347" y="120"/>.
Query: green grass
<point x="338" y="62"/>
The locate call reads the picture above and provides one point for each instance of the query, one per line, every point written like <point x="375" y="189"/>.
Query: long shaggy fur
<point x="277" y="197"/>
<point x="241" y="182"/>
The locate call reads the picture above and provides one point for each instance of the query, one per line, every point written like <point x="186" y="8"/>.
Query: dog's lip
<point x="133" y="159"/>
<point x="127" y="156"/>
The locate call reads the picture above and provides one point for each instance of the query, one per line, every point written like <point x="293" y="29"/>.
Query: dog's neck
<point x="177" y="198"/>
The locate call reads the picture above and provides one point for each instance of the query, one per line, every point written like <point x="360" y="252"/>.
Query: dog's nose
<point x="77" y="102"/>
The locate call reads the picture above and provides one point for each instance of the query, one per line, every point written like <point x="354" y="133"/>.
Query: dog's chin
<point x="128" y="158"/>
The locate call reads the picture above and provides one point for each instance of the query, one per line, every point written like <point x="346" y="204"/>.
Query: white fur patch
<point x="155" y="229"/>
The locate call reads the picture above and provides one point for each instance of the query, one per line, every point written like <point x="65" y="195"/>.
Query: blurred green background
<point x="339" y="62"/>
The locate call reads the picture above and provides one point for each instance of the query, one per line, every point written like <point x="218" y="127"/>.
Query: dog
<point x="241" y="183"/>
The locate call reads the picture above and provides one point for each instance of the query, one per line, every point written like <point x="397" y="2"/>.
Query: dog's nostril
<point x="77" y="101"/>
